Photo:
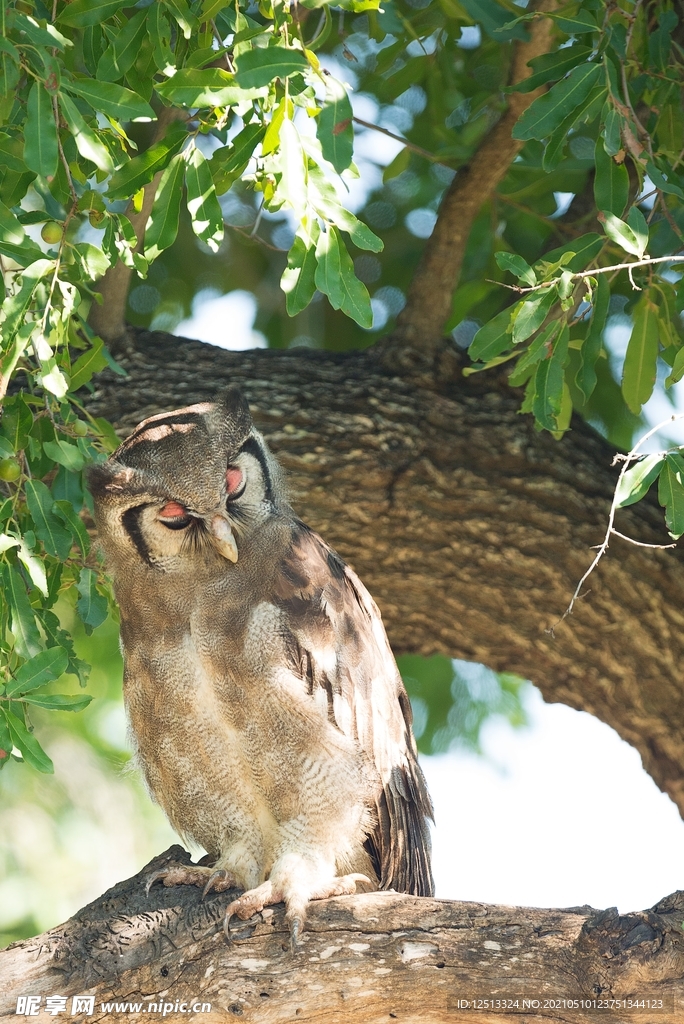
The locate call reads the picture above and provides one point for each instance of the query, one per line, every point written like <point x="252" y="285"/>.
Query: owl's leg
<point x="291" y="883"/>
<point x="194" y="874"/>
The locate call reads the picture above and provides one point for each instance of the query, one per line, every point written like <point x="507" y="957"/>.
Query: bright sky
<point x="557" y="815"/>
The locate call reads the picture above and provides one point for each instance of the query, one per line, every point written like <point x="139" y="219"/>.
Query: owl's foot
<point x="296" y="901"/>
<point x="193" y="874"/>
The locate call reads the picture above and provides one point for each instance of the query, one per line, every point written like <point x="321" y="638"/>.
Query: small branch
<point x="405" y="142"/>
<point x="594" y="273"/>
<point x="632" y="456"/>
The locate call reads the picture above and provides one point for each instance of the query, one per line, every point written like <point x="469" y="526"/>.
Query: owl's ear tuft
<point x="234" y="416"/>
<point x="110" y="477"/>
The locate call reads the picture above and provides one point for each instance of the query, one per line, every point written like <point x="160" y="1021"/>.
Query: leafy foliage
<point x="198" y="104"/>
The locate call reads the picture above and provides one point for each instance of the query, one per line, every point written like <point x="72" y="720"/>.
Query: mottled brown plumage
<point x="270" y="719"/>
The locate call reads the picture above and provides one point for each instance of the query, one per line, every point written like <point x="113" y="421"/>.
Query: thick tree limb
<point x="470" y="528"/>
<point x="364" y="959"/>
<point x="428" y="304"/>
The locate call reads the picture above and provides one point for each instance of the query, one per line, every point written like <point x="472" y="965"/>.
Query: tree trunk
<point x="470" y="528"/>
<point x="363" y="959"/>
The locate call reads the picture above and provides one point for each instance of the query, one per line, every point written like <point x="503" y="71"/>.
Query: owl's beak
<point x="224" y="540"/>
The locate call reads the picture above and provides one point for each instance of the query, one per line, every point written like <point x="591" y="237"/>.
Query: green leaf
<point x="56" y="540"/>
<point x="203" y="206"/>
<point x="584" y="250"/>
<point x="639" y="371"/>
<point x="260" y="67"/>
<point x="92" y="607"/>
<point x="335" y="127"/>
<point x="612" y="141"/>
<point x="30" y="748"/>
<point x="81" y="13"/>
<point x="670" y="129"/>
<point x="16" y="423"/>
<point x="547" y="112"/>
<point x="677" y="371"/>
<point x="206" y="87"/>
<point x="576" y="24"/>
<point x="59" y="701"/>
<point x="494" y="19"/>
<point x="162" y="227"/>
<point x="623" y="234"/>
<point x="11" y="230"/>
<point x="494" y="338"/>
<point x="90" y="362"/>
<point x="34" y="567"/>
<point x="228" y="163"/>
<point x="548" y="384"/>
<point x="15" y="307"/>
<point x="637" y="480"/>
<point x="94" y="262"/>
<point x="550" y="67"/>
<point x="40" y="138"/>
<point x="41" y="669"/>
<point x="298" y="280"/>
<point x="591" y="348"/>
<point x="355" y="298"/>
<point x="87" y="142"/>
<point x="327" y="276"/>
<point x="122" y="54"/>
<point x="27" y="640"/>
<point x="183" y="16"/>
<point x="293" y="182"/>
<point x="671" y="494"/>
<point x="532" y="312"/>
<point x="67" y="455"/>
<point x="611" y="182"/>
<point x="139" y="171"/>
<point x="663" y="183"/>
<point x="114" y="100"/>
<point x="540" y="347"/>
<point x="65" y="510"/>
<point x="519" y="267"/>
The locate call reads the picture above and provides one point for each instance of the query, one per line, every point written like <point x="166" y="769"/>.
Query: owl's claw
<point x="193" y="874"/>
<point x="219" y="880"/>
<point x="250" y="903"/>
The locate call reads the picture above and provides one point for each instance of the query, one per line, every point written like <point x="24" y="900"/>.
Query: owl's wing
<point x="337" y="645"/>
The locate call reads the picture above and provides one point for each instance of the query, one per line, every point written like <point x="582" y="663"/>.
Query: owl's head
<point x="199" y="479"/>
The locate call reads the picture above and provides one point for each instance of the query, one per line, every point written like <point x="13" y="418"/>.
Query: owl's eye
<point x="235" y="483"/>
<point x="174" y="516"/>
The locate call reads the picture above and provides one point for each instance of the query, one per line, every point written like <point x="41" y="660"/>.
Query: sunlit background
<point x="535" y="804"/>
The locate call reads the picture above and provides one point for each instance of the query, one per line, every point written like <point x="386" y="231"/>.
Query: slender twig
<point x="593" y="273"/>
<point x="405" y="142"/>
<point x="254" y="238"/>
<point x="632" y="456"/>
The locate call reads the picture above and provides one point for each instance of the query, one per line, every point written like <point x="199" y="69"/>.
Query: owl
<point x="270" y="720"/>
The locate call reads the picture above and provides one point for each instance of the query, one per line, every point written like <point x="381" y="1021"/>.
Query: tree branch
<point x="469" y="527"/>
<point x="420" y="323"/>
<point x="364" y="959"/>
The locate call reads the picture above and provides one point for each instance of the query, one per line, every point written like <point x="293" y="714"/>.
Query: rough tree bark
<point x="471" y="530"/>
<point x="364" y="959"/>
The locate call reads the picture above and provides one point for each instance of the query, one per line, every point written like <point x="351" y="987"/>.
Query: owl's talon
<point x="154" y="877"/>
<point x="193" y="874"/>
<point x="219" y="876"/>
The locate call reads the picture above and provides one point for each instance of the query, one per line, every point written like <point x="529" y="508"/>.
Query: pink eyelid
<point x="233" y="479"/>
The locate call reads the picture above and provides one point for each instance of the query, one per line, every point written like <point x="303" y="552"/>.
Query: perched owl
<point x="269" y="715"/>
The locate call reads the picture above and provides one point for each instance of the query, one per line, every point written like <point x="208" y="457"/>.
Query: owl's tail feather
<point x="400" y="846"/>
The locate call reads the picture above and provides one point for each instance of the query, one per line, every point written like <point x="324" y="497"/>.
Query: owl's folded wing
<point x="338" y="646"/>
